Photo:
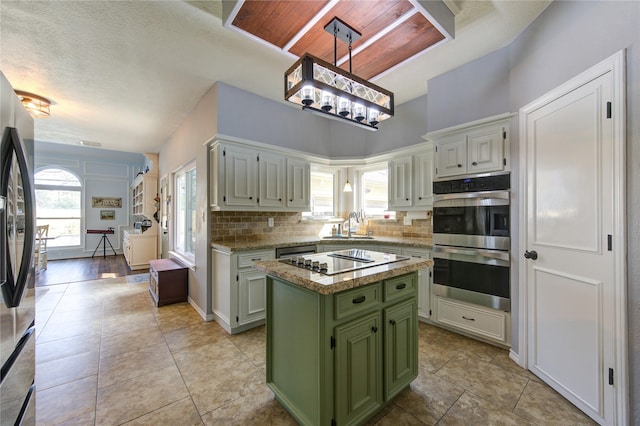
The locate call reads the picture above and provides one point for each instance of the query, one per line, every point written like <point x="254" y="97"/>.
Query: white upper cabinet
<point x="411" y="181"/>
<point x="245" y="178"/>
<point x="478" y="147"/>
<point x="273" y="180"/>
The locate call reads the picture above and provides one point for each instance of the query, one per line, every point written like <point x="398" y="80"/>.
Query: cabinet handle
<point x="401" y="286"/>
<point x="392" y="322"/>
<point x="374" y="329"/>
<point x="256" y="259"/>
<point x="359" y="300"/>
<point x="459" y="165"/>
<point x="475" y="163"/>
<point x="468" y="319"/>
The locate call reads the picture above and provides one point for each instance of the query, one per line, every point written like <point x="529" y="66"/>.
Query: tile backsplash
<point x="240" y="226"/>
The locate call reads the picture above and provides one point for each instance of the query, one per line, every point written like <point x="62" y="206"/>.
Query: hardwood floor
<point x="84" y="269"/>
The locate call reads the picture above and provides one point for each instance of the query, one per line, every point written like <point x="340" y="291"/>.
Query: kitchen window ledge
<point x="187" y="261"/>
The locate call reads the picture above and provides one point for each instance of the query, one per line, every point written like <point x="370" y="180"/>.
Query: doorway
<point x="573" y="310"/>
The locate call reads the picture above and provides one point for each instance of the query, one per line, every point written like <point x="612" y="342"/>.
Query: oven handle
<point x="482" y="195"/>
<point x="491" y="254"/>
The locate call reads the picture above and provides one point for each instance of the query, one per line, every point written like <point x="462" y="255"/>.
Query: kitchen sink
<point x="353" y="237"/>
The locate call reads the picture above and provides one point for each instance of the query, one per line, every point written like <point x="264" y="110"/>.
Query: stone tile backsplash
<point x="231" y="227"/>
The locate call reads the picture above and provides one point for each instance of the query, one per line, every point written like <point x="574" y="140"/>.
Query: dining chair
<point x="42" y="233"/>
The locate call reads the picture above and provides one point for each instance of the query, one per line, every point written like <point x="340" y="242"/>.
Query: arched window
<point x="59" y="205"/>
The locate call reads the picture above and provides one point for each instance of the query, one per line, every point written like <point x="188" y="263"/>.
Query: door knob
<point x="533" y="255"/>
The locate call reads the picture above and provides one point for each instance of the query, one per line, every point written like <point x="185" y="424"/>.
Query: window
<point x="185" y="211"/>
<point x="59" y="205"/>
<point x="374" y="195"/>
<point x="322" y="188"/>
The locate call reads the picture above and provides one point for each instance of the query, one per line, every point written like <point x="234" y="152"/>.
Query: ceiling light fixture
<point x="37" y="106"/>
<point x="347" y="186"/>
<point x="330" y="91"/>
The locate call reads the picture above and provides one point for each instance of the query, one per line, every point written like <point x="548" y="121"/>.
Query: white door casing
<point x="573" y="296"/>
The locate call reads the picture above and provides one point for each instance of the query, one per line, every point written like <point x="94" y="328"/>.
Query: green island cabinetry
<point x="337" y="359"/>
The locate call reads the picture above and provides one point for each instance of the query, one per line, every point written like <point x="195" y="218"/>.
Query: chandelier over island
<point x="327" y="90"/>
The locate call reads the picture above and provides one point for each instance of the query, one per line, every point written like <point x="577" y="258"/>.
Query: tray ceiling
<point x="392" y="31"/>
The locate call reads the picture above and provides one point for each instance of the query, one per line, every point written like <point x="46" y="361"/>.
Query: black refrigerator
<point x="17" y="273"/>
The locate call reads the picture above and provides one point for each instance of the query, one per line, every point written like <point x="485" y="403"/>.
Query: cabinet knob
<point x="374" y="329"/>
<point x="279" y="199"/>
<point x="459" y="165"/>
<point x="392" y="322"/>
<point x="406" y="199"/>
<point x="475" y="163"/>
<point x="291" y="200"/>
<point x="419" y="198"/>
<point x="251" y="198"/>
<point x="533" y="255"/>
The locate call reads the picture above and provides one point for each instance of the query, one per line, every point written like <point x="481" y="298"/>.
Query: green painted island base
<point x="338" y="359"/>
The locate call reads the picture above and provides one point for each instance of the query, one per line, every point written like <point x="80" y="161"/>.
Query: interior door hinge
<point x="608" y="109"/>
<point x="609" y="242"/>
<point x="611" y="376"/>
<point x="333" y="342"/>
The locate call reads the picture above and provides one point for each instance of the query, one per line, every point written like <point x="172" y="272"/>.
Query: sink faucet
<point x="356" y="216"/>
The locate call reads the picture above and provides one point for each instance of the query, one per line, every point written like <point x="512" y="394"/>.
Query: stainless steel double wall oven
<point x="471" y="236"/>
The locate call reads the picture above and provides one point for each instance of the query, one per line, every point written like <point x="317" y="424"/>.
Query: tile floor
<point x="107" y="356"/>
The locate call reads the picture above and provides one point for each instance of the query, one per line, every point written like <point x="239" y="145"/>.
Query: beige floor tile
<point x="256" y="406"/>
<point x="209" y="361"/>
<point x="64" y="370"/>
<point x="67" y="401"/>
<point x="176" y="316"/>
<point x="473" y="410"/>
<point x="141" y="395"/>
<point x="540" y="403"/>
<point x="130" y="341"/>
<point x="428" y="397"/>
<point x="203" y="333"/>
<point x="502" y="360"/>
<point x="485" y="380"/>
<point x="252" y="343"/>
<point x="397" y="416"/>
<point x="88" y="419"/>
<point x="48" y="351"/>
<point x="183" y="413"/>
<point x="129" y="322"/>
<point x="56" y="331"/>
<point x="128" y="365"/>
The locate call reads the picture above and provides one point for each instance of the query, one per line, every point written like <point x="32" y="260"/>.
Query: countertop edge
<point x="228" y="247"/>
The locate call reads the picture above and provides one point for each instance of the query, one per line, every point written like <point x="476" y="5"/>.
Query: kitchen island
<point x="341" y="337"/>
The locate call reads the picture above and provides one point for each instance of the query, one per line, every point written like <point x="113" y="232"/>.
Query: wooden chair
<point x="42" y="233"/>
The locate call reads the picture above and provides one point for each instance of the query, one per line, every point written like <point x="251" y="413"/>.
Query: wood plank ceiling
<point x="392" y="31"/>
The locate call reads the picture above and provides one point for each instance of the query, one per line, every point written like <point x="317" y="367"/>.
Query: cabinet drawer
<point x="475" y="319"/>
<point x="246" y="260"/>
<point x="399" y="287"/>
<point x="357" y="300"/>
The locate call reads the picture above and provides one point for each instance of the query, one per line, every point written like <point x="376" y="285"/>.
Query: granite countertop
<point x="248" y="245"/>
<point x="329" y="284"/>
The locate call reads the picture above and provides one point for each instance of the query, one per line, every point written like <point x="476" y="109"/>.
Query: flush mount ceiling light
<point x="327" y="90"/>
<point x="37" y="106"/>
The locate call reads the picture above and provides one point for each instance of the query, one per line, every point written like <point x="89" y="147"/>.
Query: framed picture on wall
<point x="107" y="214"/>
<point x="112" y="202"/>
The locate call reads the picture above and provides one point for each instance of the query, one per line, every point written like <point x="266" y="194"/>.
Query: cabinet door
<point x="142" y="250"/>
<point x="358" y="369"/>
<point x="251" y="296"/>
<point x="486" y="150"/>
<point x="401" y="347"/>
<point x="240" y="177"/>
<point x="298" y="181"/>
<point x="423" y="180"/>
<point x="424" y="282"/>
<point x="451" y="157"/>
<point x="272" y="183"/>
<point x="400" y="182"/>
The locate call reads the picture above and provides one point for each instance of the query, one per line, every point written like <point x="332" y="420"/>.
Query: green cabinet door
<point x="358" y="369"/>
<point x="401" y="348"/>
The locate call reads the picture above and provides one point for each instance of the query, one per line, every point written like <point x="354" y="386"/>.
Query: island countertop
<point x="329" y="284"/>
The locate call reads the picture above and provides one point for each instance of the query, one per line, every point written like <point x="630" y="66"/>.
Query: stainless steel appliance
<point x="288" y="252"/>
<point x="17" y="274"/>
<point x="341" y="261"/>
<point x="471" y="235"/>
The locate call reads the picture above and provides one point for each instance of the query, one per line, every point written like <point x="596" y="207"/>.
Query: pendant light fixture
<point x="329" y="91"/>
<point x="347" y="186"/>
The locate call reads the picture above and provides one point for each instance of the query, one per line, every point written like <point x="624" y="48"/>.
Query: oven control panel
<point x="473" y="184"/>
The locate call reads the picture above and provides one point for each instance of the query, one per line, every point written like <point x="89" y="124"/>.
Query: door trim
<point x="616" y="65"/>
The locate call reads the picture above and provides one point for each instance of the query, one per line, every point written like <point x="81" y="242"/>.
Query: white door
<point x="570" y="278"/>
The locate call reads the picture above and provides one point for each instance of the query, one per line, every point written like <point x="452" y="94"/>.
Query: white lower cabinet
<point x="424" y="282"/>
<point x="486" y="323"/>
<point x="239" y="290"/>
<point x="139" y="249"/>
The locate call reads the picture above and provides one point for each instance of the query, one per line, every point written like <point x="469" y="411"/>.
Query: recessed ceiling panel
<point x="366" y="17"/>
<point x="276" y="21"/>
<point x="406" y="40"/>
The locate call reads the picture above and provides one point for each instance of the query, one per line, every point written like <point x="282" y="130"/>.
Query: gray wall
<point x="565" y="40"/>
<point x="103" y="173"/>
